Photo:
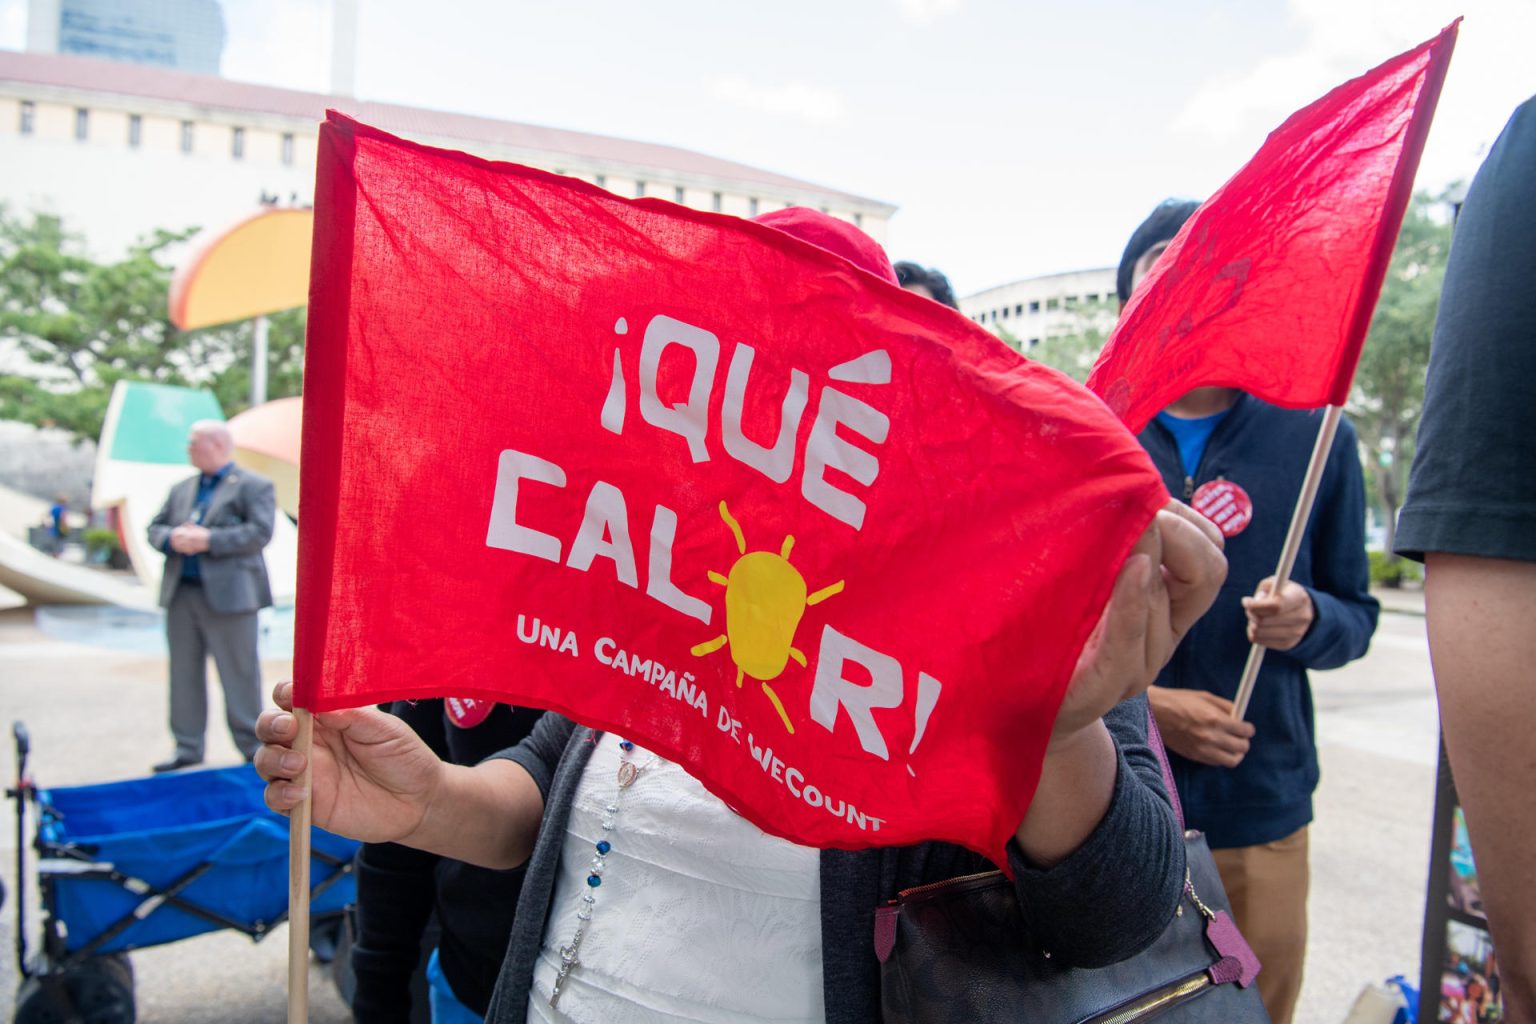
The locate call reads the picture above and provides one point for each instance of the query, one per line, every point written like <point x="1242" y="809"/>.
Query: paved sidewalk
<point x="1401" y="600"/>
<point x="97" y="715"/>
<point x="1378" y="739"/>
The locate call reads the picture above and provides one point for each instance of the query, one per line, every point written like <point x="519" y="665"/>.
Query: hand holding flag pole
<point x="1299" y="517"/>
<point x="1238" y="302"/>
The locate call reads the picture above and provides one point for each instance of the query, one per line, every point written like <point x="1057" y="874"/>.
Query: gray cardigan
<point x="1107" y="901"/>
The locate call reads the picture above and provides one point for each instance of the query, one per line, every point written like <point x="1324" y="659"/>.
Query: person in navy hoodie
<point x="1248" y="783"/>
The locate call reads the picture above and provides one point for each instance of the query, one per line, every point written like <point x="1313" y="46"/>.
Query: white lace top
<point x="701" y="916"/>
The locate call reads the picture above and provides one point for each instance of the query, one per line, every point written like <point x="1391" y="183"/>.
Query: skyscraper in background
<point x="187" y="35"/>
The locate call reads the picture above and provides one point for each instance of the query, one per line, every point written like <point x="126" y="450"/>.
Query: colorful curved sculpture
<point x="42" y="579"/>
<point x="257" y="266"/>
<point x="267" y="441"/>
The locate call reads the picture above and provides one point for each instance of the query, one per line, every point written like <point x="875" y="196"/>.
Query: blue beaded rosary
<point x="628" y="773"/>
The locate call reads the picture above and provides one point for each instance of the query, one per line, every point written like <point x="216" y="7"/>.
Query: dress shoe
<point x="176" y="764"/>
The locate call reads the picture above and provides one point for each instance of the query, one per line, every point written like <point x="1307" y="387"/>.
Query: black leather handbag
<point x="955" y="951"/>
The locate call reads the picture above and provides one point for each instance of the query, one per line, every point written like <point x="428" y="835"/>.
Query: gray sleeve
<point x="1473" y="486"/>
<point x="540" y="751"/>
<point x="1115" y="894"/>
<point x="250" y="536"/>
<point x="160" y="527"/>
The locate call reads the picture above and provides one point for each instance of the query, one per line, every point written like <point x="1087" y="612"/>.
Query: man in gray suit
<point x="212" y="529"/>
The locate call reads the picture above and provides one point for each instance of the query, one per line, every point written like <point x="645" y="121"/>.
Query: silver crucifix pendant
<point x="568" y="962"/>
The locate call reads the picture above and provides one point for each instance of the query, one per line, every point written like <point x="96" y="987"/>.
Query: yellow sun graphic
<point x="765" y="598"/>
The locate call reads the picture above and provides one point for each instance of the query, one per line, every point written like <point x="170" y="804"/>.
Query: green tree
<point x="1072" y="340"/>
<point x="1388" y="392"/>
<point x="80" y="326"/>
<point x="285" y="360"/>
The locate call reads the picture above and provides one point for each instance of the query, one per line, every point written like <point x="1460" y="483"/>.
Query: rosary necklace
<point x="628" y="773"/>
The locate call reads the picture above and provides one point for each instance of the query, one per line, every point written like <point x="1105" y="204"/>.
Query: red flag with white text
<point x="1269" y="287"/>
<point x="826" y="543"/>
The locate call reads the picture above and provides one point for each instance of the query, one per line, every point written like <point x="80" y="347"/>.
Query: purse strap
<point x="1155" y="741"/>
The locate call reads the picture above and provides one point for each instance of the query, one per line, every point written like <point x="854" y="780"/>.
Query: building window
<point x="858" y="220"/>
<point x="1018" y="310"/>
<point x="1092" y="296"/>
<point x="1033" y="342"/>
<point x="82" y="123"/>
<point x="600" y="180"/>
<point x="135" y="130"/>
<point x="288" y="147"/>
<point x="752" y="207"/>
<point x="1034" y="307"/>
<point x="716" y="202"/>
<point x="237" y="143"/>
<point x="1005" y="312"/>
<point x="1071" y="301"/>
<point x="28" y="117"/>
<point x="1052" y="303"/>
<point x="186" y="136"/>
<point x="826" y="211"/>
<point x="639" y="188"/>
<point x="677" y="194"/>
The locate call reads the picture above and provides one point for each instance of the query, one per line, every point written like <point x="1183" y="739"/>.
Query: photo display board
<point x="1459" y="980"/>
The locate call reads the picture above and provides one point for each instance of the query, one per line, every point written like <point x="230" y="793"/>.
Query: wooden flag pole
<point x="1299" y="517"/>
<point x="298" y="881"/>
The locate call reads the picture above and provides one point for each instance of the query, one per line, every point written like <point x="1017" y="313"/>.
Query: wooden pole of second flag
<point x="298" y="880"/>
<point x="1299" y="517"/>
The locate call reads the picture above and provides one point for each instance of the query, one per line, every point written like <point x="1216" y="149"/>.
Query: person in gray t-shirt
<point x="1471" y="516"/>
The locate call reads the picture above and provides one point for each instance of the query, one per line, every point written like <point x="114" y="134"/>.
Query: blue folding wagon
<point x="125" y="865"/>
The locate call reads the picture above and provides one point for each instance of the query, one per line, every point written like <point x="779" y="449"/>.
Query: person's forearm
<point x="1077" y="783"/>
<point x="1480" y="612"/>
<point x="235" y="541"/>
<point x="245" y="539"/>
<point x="252" y="534"/>
<point x="487" y="814"/>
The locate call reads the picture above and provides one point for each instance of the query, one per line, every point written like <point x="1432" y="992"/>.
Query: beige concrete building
<point x="1037" y="308"/>
<point x="120" y="149"/>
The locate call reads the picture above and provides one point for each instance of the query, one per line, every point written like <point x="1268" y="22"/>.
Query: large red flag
<point x="1270" y="286"/>
<point x="826" y="543"/>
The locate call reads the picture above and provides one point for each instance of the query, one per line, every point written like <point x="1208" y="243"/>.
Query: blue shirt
<point x="206" y="485"/>
<point x="1191" y="436"/>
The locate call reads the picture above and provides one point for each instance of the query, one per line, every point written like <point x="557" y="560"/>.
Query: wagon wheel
<point x="97" y="991"/>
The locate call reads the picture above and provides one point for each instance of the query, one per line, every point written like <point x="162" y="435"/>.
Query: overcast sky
<point x="1018" y="138"/>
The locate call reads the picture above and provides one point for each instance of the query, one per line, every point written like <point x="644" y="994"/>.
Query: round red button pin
<point x="468" y="712"/>
<point x="1225" y="504"/>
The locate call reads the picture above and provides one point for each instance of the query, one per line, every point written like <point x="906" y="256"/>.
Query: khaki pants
<point x="1267" y="886"/>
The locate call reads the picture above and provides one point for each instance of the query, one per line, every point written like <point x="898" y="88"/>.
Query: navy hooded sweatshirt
<point x="1265" y="450"/>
